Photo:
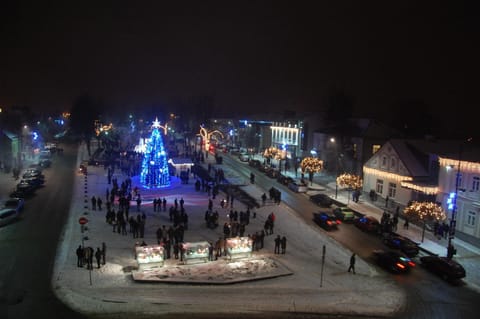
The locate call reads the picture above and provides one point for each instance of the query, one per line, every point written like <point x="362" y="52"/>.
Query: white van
<point x="7" y="215"/>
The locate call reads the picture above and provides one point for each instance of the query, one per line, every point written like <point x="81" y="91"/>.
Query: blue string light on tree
<point x="155" y="173"/>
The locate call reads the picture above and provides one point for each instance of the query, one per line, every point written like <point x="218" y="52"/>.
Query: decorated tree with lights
<point x="350" y="181"/>
<point x="425" y="211"/>
<point x="311" y="165"/>
<point x="154" y="165"/>
<point x="275" y="153"/>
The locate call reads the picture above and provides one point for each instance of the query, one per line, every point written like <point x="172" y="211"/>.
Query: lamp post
<point x="332" y="140"/>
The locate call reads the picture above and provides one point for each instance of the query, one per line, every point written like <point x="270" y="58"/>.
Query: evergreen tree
<point x="154" y="166"/>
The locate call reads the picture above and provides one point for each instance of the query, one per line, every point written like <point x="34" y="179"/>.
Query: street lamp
<point x="453" y="206"/>
<point x="332" y="140"/>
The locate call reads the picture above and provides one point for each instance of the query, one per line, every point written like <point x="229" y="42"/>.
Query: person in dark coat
<point x="88" y="255"/>
<point x="277" y="244"/>
<point x="104" y="252"/>
<point x="94" y="203"/>
<point x="79" y="256"/>
<point x="98" y="257"/>
<point x="284" y="244"/>
<point x="352" y="263"/>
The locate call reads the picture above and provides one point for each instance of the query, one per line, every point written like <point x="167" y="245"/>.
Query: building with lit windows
<point x="427" y="170"/>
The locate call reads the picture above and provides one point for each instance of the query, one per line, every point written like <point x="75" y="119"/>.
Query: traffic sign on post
<point x="82" y="220"/>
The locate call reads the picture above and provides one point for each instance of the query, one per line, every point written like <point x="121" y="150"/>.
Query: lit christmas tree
<point x="154" y="166"/>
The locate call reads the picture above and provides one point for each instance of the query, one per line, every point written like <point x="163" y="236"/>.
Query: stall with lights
<point x="149" y="257"/>
<point x="195" y="252"/>
<point x="238" y="247"/>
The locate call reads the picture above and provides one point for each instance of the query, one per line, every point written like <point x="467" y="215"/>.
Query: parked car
<point x="33" y="181"/>
<point x="24" y="188"/>
<point x="368" y="223"/>
<point x="326" y="220"/>
<point x="344" y="213"/>
<point x="44" y="161"/>
<point x="448" y="269"/>
<point x="322" y="200"/>
<point x="393" y="261"/>
<point x="404" y="244"/>
<point x="15" y="203"/>
<point x="8" y="215"/>
<point x="33" y="173"/>
<point x="244" y="157"/>
<point x="285" y="180"/>
<point x="298" y="187"/>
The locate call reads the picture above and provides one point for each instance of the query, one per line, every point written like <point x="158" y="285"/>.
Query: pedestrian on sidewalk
<point x="94" y="203"/>
<point x="352" y="264"/>
<point x="277" y="244"/>
<point x="98" y="257"/>
<point x="104" y="252"/>
<point x="284" y="244"/>
<point x="80" y="256"/>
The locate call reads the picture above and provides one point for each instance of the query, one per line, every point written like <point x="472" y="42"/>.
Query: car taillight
<point x="329" y="222"/>
<point x="339" y="221"/>
<point x="411" y="264"/>
<point x="400" y="265"/>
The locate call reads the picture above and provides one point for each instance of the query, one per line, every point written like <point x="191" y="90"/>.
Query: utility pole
<point x="451" y="251"/>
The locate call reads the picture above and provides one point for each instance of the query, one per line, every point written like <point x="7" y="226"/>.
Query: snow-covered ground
<point x="302" y="284"/>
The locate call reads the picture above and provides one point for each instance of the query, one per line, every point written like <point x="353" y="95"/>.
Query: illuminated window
<point x="379" y="186"/>
<point x="471" y="218"/>
<point x="392" y="190"/>
<point x="475" y="184"/>
<point x="375" y="148"/>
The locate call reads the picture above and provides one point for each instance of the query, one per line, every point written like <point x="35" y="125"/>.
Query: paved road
<point x="28" y="246"/>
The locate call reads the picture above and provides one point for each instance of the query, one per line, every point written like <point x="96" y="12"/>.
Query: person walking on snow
<point x="277" y="244"/>
<point x="352" y="263"/>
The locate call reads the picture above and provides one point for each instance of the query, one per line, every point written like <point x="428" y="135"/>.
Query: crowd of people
<point x="119" y="197"/>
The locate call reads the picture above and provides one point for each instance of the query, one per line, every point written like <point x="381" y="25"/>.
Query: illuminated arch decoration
<point x="208" y="136"/>
<point x="155" y="173"/>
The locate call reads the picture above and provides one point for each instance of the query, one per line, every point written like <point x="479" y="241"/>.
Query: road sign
<point x="82" y="220"/>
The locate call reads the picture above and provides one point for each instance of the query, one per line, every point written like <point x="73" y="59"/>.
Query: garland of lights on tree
<point x="155" y="172"/>
<point x="350" y="181"/>
<point x="425" y="211"/>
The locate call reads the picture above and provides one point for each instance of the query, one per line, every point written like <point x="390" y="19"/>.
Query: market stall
<point x="238" y="247"/>
<point x="195" y="252"/>
<point x="149" y="257"/>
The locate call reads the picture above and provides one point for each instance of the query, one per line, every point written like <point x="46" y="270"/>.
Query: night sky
<point x="247" y="55"/>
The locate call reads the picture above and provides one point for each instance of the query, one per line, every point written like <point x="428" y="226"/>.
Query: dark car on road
<point x="367" y="223"/>
<point x="448" y="269"/>
<point x="322" y="200"/>
<point x="15" y="203"/>
<point x="326" y="220"/>
<point x="393" y="261"/>
<point x="404" y="244"/>
<point x="33" y="173"/>
<point x="345" y="214"/>
<point x="33" y="181"/>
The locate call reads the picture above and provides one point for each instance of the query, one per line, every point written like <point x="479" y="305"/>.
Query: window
<point x="459" y="179"/>
<point x="393" y="163"/>
<point x="471" y="216"/>
<point x="384" y="161"/>
<point x="475" y="184"/>
<point x="392" y="190"/>
<point x="375" y="148"/>
<point x="379" y="186"/>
